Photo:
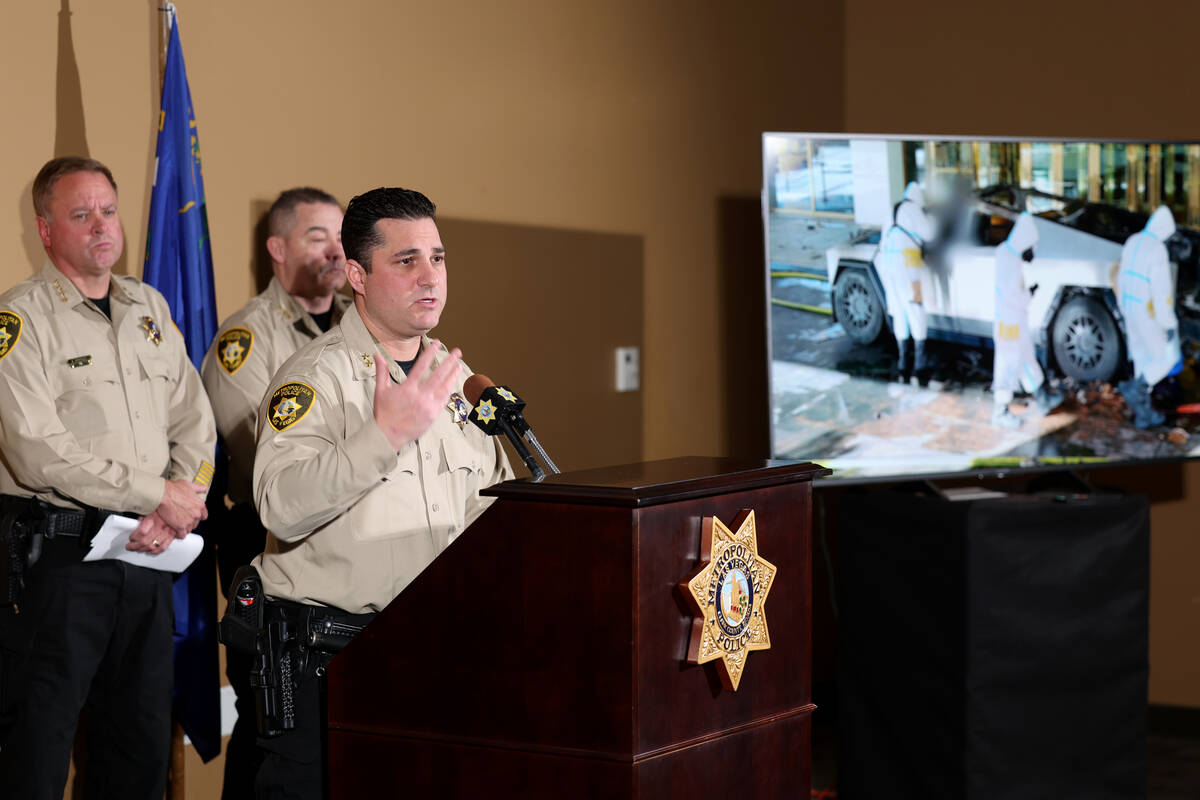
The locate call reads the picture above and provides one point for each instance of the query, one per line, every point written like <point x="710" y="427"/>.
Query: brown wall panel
<point x="542" y="311"/>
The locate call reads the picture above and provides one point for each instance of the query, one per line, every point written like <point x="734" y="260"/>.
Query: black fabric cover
<point x="992" y="649"/>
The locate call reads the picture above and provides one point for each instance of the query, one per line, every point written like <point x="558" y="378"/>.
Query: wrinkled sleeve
<point x="43" y="454"/>
<point x="192" y="435"/>
<point x="313" y="470"/>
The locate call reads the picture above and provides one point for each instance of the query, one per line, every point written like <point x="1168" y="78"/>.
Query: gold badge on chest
<point x="153" y="332"/>
<point x="460" y="409"/>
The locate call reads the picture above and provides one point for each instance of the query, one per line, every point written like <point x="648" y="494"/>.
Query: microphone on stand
<point x="497" y="409"/>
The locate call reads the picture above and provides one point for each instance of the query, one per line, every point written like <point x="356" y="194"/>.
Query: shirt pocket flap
<point x="155" y="366"/>
<point x="457" y="453"/>
<point x="158" y="379"/>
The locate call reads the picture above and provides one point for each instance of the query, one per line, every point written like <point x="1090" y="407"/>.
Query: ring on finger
<point x="154" y="543"/>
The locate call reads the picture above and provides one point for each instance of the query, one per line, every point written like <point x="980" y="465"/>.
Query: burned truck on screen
<point x="1078" y="327"/>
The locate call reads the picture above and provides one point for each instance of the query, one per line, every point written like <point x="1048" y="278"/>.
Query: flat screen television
<point x="915" y="328"/>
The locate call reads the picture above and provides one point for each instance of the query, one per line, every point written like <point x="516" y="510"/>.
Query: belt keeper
<point x="93" y="518"/>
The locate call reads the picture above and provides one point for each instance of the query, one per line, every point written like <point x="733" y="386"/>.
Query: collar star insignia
<point x="729" y="596"/>
<point x="153" y="332"/>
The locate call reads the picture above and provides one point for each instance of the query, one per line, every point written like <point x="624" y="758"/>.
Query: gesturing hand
<point x="405" y="410"/>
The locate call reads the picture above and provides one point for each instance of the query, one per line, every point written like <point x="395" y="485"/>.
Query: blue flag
<point x="179" y="264"/>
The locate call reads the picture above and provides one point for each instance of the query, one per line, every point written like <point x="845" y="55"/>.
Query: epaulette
<point x="19" y="291"/>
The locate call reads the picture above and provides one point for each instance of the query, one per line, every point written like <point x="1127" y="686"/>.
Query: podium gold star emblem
<point x="729" y="596"/>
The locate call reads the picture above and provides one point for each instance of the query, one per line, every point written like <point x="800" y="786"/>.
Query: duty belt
<point x="322" y="628"/>
<point x="51" y="521"/>
<point x="28" y="529"/>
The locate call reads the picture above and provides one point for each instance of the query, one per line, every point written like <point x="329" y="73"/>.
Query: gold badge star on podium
<point x="729" y="596"/>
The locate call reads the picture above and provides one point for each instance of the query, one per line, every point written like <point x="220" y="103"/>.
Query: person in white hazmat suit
<point x="1015" y="366"/>
<point x="1146" y="293"/>
<point x="903" y="263"/>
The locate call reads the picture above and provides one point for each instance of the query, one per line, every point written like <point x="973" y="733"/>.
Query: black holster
<point x="26" y="524"/>
<point x="15" y="540"/>
<point x="244" y="629"/>
<point x="239" y="628"/>
<point x="22" y="535"/>
<point x="273" y="678"/>
<point x="286" y="641"/>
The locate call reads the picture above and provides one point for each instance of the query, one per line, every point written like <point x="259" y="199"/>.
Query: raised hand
<point x="405" y="410"/>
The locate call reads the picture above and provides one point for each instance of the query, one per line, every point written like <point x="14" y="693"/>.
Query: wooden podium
<point x="544" y="653"/>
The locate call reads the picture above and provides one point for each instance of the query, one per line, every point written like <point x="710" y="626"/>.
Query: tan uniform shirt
<point x="93" y="411"/>
<point x="247" y="350"/>
<point x="351" y="520"/>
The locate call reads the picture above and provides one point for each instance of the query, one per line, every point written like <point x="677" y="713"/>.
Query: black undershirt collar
<point x="104" y="304"/>
<point x="323" y="320"/>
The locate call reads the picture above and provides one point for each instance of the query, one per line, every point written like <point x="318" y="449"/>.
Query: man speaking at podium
<point x="366" y="468"/>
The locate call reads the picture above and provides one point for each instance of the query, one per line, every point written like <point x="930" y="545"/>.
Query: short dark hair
<point x="282" y="214"/>
<point x="359" y="234"/>
<point x="55" y="168"/>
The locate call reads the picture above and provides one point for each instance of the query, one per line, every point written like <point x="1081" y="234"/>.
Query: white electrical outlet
<point x="629" y="376"/>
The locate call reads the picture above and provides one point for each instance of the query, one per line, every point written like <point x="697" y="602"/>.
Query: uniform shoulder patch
<point x="10" y="331"/>
<point x="233" y="348"/>
<point x="289" y="404"/>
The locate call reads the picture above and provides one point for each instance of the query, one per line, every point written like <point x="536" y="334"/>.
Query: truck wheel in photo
<point x="1086" y="340"/>
<point x="858" y="306"/>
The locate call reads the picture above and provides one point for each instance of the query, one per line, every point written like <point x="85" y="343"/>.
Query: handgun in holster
<point x="243" y="618"/>
<point x="20" y="548"/>
<point x="330" y="637"/>
<point x="272" y="678"/>
<point x="270" y="644"/>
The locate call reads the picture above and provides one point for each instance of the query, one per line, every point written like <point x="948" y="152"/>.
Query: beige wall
<point x="1055" y="70"/>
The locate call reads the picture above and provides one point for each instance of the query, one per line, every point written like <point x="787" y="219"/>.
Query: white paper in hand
<point x="110" y="541"/>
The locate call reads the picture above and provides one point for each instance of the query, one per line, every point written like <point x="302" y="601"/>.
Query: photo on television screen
<point x="952" y="305"/>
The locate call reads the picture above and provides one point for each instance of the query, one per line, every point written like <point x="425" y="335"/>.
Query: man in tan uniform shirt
<point x="100" y="412"/>
<point x="363" y="474"/>
<point x="302" y="301"/>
